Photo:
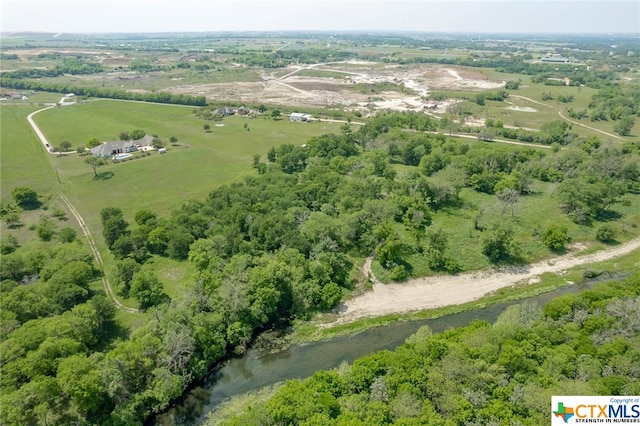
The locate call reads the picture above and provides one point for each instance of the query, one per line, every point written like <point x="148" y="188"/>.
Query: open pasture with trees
<point x="198" y="162"/>
<point x="247" y="224"/>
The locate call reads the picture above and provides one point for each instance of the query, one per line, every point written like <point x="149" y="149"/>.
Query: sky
<point x="474" y="16"/>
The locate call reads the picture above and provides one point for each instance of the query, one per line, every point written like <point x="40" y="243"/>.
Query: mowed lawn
<point x="161" y="183"/>
<point x="22" y="157"/>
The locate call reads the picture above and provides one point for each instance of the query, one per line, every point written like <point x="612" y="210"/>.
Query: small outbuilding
<point x="299" y="117"/>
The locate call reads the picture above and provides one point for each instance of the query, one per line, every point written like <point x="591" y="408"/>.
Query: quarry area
<point x="353" y="85"/>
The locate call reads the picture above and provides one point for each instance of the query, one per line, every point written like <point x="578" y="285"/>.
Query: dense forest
<point x="482" y="374"/>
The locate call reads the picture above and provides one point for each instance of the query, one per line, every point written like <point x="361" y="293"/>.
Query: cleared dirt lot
<point x="356" y="86"/>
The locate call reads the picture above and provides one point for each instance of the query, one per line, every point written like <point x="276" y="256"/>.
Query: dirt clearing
<point x="354" y="87"/>
<point x="438" y="291"/>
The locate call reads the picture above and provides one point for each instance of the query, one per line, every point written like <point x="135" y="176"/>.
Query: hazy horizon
<point x="424" y="16"/>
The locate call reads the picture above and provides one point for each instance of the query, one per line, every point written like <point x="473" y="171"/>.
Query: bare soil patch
<point x="287" y="87"/>
<point x="316" y="85"/>
<point x="438" y="291"/>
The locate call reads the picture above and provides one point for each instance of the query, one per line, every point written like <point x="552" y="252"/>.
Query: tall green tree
<point x="95" y="162"/>
<point x="146" y="288"/>
<point x="624" y="125"/>
<point x="25" y="197"/>
<point x="93" y="142"/>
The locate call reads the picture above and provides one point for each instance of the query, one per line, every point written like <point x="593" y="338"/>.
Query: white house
<point x="299" y="117"/>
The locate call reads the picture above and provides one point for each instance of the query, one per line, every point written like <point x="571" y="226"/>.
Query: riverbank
<point x="309" y="347"/>
<point x="339" y="349"/>
<point x="447" y="290"/>
<point x="326" y="326"/>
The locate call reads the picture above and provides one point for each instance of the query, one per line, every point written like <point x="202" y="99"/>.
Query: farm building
<point x="107" y="149"/>
<point x="299" y="117"/>
<point x="555" y="58"/>
<point x="225" y="111"/>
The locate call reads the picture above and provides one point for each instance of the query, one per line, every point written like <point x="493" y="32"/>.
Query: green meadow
<point x="543" y="113"/>
<point x="199" y="162"/>
<point x="531" y="215"/>
<point x="22" y="156"/>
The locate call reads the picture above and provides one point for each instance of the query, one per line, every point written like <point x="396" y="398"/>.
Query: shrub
<point x="605" y="233"/>
<point x="67" y="235"/>
<point x="555" y="237"/>
<point x="59" y="214"/>
<point x="497" y="245"/>
<point x="331" y="294"/>
<point x="398" y="273"/>
<point x="512" y="85"/>
<point x="12" y="219"/>
<point x="45" y="229"/>
<point x="452" y="266"/>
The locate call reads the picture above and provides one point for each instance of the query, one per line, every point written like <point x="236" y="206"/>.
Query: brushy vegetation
<point x="584" y="344"/>
<point x="280" y="241"/>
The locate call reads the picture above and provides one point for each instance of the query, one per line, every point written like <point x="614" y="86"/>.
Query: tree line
<point x="68" y="66"/>
<point x="158" y="97"/>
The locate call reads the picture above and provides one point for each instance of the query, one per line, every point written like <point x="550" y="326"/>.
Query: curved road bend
<point x="83" y="226"/>
<point x="568" y="119"/>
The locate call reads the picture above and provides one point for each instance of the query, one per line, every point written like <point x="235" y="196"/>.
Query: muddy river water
<point x="258" y="369"/>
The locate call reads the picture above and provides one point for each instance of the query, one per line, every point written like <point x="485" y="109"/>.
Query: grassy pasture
<point x="24" y="163"/>
<point x="581" y="99"/>
<point x="544" y="113"/>
<point x="532" y="215"/>
<point x="162" y="182"/>
<point x="22" y="156"/>
<point x="157" y="182"/>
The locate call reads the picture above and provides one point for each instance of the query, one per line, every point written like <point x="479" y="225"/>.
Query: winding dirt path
<point x="80" y="220"/>
<point x="438" y="291"/>
<point x="568" y="119"/>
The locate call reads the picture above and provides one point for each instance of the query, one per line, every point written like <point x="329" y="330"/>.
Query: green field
<point x="543" y="113"/>
<point x="201" y="161"/>
<point x="23" y="162"/>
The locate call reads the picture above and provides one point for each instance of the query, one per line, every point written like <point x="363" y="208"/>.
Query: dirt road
<point x="433" y="292"/>
<point x="80" y="220"/>
<point x="568" y="119"/>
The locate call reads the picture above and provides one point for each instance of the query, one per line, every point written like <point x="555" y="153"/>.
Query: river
<point x="258" y="369"/>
